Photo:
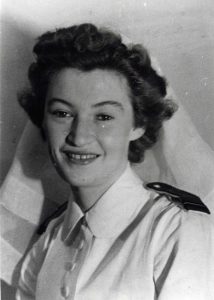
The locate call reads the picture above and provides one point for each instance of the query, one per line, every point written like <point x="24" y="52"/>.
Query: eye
<point x="61" y="114"/>
<point x="104" y="117"/>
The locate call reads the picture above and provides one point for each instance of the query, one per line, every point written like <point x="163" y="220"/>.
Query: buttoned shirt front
<point x="132" y="244"/>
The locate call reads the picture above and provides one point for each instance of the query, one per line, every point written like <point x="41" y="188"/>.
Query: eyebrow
<point x="53" y="100"/>
<point x="109" y="102"/>
<point x="99" y="104"/>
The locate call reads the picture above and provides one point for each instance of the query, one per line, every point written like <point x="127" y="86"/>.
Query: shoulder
<point x="182" y="244"/>
<point x="34" y="259"/>
<point x="181" y="198"/>
<point x="178" y="216"/>
<point x="169" y="202"/>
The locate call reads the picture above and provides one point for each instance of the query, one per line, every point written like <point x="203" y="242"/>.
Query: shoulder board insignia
<point x="185" y="199"/>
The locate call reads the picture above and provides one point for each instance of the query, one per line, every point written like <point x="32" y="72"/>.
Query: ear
<point x="136" y="133"/>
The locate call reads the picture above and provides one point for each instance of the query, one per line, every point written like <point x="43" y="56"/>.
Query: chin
<point x="78" y="181"/>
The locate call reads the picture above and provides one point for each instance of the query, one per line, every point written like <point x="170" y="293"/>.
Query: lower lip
<point x="81" y="162"/>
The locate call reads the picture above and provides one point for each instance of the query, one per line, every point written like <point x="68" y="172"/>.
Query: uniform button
<point x="65" y="291"/>
<point x="84" y="223"/>
<point x="81" y="245"/>
<point x="69" y="266"/>
<point x="73" y="266"/>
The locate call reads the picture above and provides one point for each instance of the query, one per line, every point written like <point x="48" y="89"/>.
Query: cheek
<point x="114" y="140"/>
<point x="54" y="135"/>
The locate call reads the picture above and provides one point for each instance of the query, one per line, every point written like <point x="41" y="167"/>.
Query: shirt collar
<point x="72" y="217"/>
<point x="114" y="211"/>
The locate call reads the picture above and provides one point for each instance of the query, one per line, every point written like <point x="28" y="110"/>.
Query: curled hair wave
<point x="85" y="47"/>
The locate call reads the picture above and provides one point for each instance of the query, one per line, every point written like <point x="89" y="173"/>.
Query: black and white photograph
<point x="107" y="150"/>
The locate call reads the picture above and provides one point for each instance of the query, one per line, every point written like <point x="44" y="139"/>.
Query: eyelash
<point x="104" y="117"/>
<point x="61" y="114"/>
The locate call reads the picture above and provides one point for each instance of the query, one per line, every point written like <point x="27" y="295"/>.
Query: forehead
<point x="70" y="84"/>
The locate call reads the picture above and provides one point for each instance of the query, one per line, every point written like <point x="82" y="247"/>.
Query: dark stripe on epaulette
<point x="185" y="199"/>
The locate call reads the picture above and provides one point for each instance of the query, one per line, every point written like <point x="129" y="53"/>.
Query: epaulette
<point x="184" y="199"/>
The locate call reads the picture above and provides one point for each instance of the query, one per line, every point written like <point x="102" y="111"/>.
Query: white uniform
<point x="132" y="244"/>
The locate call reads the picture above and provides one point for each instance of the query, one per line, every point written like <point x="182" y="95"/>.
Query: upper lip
<point x="82" y="152"/>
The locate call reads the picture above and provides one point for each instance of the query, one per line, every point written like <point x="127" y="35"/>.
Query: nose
<point x="80" y="134"/>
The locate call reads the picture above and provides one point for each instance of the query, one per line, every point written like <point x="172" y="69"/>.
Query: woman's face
<point x="89" y="125"/>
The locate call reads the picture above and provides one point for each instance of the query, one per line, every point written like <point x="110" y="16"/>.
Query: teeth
<point x="82" y="156"/>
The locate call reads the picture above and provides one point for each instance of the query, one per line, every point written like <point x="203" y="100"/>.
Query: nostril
<point x="79" y="137"/>
<point x="69" y="139"/>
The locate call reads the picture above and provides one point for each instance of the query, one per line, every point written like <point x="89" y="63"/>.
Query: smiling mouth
<point x="81" y="158"/>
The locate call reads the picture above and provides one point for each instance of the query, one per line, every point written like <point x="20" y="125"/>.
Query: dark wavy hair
<point x="85" y="47"/>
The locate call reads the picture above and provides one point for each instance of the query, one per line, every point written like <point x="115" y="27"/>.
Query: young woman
<point x="100" y="105"/>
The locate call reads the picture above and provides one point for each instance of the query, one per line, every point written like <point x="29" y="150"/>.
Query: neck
<point x="86" y="197"/>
